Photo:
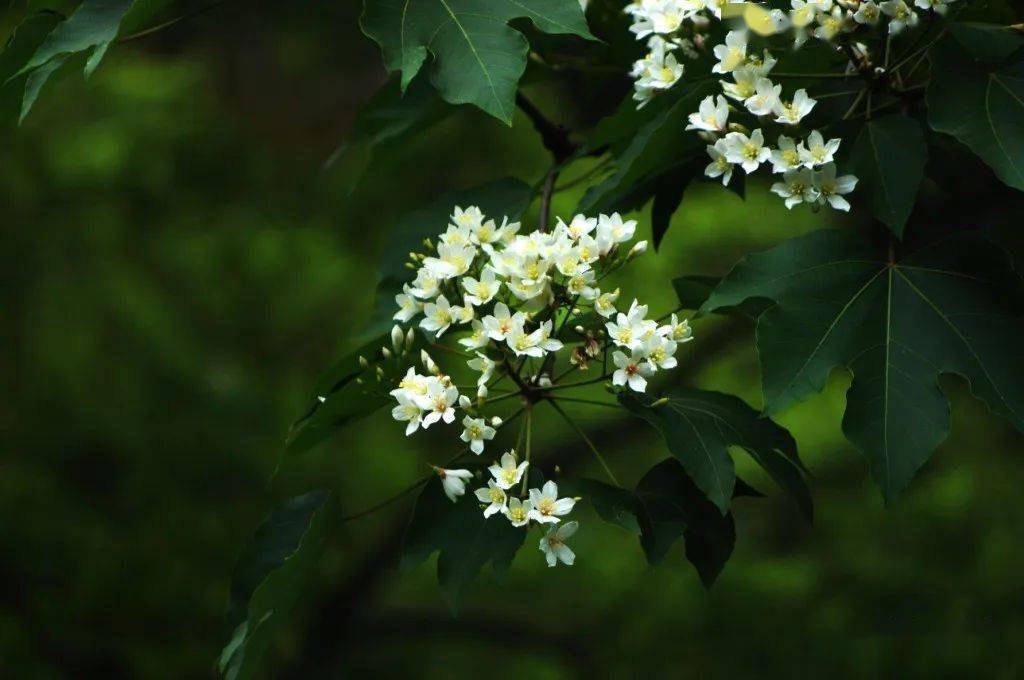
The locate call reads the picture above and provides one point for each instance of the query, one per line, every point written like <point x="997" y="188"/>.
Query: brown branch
<point x="555" y="137"/>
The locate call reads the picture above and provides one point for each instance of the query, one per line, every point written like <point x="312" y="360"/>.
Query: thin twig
<point x="592" y="402"/>
<point x="545" y="198"/>
<point x="586" y="440"/>
<point x="529" y="443"/>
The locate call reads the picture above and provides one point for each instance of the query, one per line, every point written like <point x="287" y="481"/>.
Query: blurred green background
<point x="177" y="269"/>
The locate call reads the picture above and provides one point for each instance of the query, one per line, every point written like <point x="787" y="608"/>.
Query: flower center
<point x="546" y="506"/>
<point x="517" y="514"/>
<point x="497" y="495"/>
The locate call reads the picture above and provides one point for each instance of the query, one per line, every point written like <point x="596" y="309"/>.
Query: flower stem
<point x="586" y="439"/>
<point x="578" y="384"/>
<point x="529" y="442"/>
<point x="593" y="402"/>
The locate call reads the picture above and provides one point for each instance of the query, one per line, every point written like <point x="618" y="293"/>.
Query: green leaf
<point x="477" y="57"/>
<point x="339" y="398"/>
<point x="700" y="426"/>
<point x="667" y="197"/>
<point x="500" y="198"/>
<point x="987" y="42"/>
<point x="671" y="506"/>
<point x="613" y="504"/>
<point x="91" y="28"/>
<point x="658" y="146"/>
<point x="840" y="300"/>
<point x="270" y="574"/>
<point x="889" y="158"/>
<point x="982" y="105"/>
<point x="388" y="118"/>
<point x="20" y="47"/>
<point x="466" y="541"/>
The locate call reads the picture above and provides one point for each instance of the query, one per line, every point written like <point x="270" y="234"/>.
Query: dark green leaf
<point x="658" y="146"/>
<point x="667" y="198"/>
<point x="987" y="42"/>
<point x="387" y="118"/>
<point x="613" y="504"/>
<point x="889" y="158"/>
<point x="465" y="539"/>
<point x="953" y="307"/>
<point x="477" y="57"/>
<point x="692" y="290"/>
<point x="671" y="506"/>
<point x="269" y="576"/>
<point x="700" y="426"/>
<point x="982" y="105"/>
<point x="91" y="28"/>
<point x="20" y="91"/>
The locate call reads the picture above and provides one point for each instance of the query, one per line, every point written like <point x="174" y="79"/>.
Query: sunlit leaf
<point x="477" y="57"/>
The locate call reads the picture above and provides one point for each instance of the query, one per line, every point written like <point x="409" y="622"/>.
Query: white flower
<point x="408" y="306"/>
<point x="732" y="54"/>
<point x="787" y="156"/>
<point x="659" y="352"/>
<point x="547" y="506"/>
<point x="488" y="232"/>
<point x="452" y="260"/>
<point x="477" y="338"/>
<point x="545" y="341"/>
<point x="745" y="84"/>
<point x="494" y="496"/>
<point x="938" y="6"/>
<point x="818" y="152"/>
<point x="553" y="544"/>
<point x="868" y="13"/>
<point x="831" y="188"/>
<point x="604" y="304"/>
<point x="632" y="371"/>
<point x="791" y="113"/>
<point x="830" y="24"/>
<point x="471" y="217"/>
<point x="485" y="365"/>
<point x="522" y="343"/>
<point x="440" y="400"/>
<point x="580" y="226"/>
<point x="453" y="481"/>
<point x="678" y="330"/>
<point x="518" y="512"/>
<point x="797" y="186"/>
<point x="749" y="152"/>
<point x="438" y="316"/>
<point x="425" y="285"/>
<point x="412" y="385"/>
<point x="612" y="230"/>
<point x="481" y="292"/>
<point x="502" y="323"/>
<point x="407" y="410"/>
<point x="630" y="330"/>
<point x="711" y="116"/>
<point x="802" y="13"/>
<point x="719" y="165"/>
<point x="765" y="98"/>
<point x="901" y="16"/>
<point x="476" y="432"/>
<point x="507" y="474"/>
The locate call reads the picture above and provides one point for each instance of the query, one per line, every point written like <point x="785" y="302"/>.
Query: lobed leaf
<point x="477" y="57"/>
<point x="840" y="299"/>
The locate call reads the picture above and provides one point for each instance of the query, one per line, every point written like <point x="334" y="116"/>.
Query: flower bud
<point x="660" y="402"/>
<point x="464" y="402"/>
<point x="410" y="265"/>
<point x="639" y="249"/>
<point x="496" y="421"/>
<point x="380" y="373"/>
<point x="363" y="363"/>
<point x="397" y="337"/>
<point x="385" y="352"/>
<point x="481" y="393"/>
<point x="410" y="338"/>
<point x="579" y="329"/>
<point x="428" y="363"/>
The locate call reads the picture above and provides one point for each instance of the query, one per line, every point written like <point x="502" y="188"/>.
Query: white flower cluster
<point x="507" y="297"/>
<point x="809" y="174"/>
<point x="540" y="506"/>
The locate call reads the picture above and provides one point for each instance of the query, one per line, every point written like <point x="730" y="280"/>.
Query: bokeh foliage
<point x="178" y="269"/>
